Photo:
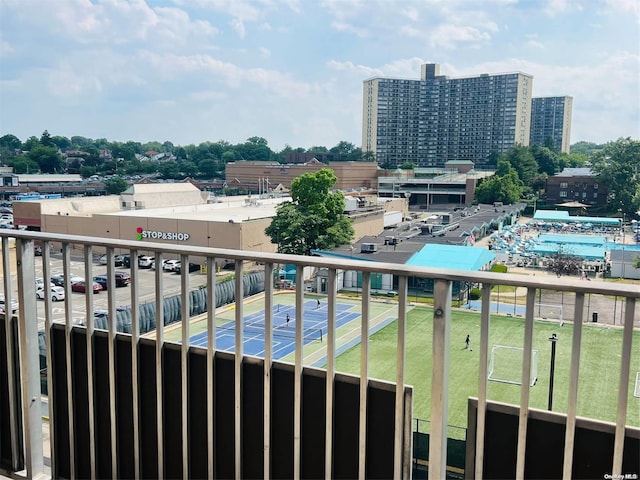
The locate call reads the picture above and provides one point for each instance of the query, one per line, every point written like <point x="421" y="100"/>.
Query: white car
<point x="57" y="293"/>
<point x="170" y="265"/>
<point x="145" y="261"/>
<point x="14" y="304"/>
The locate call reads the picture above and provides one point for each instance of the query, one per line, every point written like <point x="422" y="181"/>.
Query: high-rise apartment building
<point x="437" y="119"/>
<point x="551" y="122"/>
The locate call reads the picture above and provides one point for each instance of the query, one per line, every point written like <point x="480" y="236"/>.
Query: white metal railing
<point x="25" y="262"/>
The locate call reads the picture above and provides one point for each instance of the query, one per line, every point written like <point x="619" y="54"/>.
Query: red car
<point x="81" y="286"/>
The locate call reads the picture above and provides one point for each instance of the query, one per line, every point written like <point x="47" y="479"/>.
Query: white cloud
<point x="411" y="13"/>
<point x="448" y="36"/>
<point x="5" y="48"/>
<point x="265" y="52"/>
<point x="346" y="27"/>
<point x="238" y="25"/>
<point x="533" y="41"/>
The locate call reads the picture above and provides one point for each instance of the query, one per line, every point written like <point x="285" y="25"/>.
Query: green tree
<point x="115" y="185"/>
<point x="46" y="140"/>
<point x="208" y="168"/>
<point x="406" y="166"/>
<point x="47" y="158"/>
<point x="315" y="218"/>
<point x="547" y="159"/>
<point x="503" y="187"/>
<point x="86" y="172"/>
<point x="24" y="164"/>
<point x="523" y="161"/>
<point x="618" y="167"/>
<point x="10" y="142"/>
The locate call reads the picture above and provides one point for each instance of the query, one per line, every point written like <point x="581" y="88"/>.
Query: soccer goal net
<point x="505" y="365"/>
<point x="548" y="311"/>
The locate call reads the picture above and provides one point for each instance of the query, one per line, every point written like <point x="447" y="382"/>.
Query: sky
<point x="291" y="71"/>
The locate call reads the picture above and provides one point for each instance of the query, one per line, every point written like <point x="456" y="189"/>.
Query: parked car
<point x="14" y="304"/>
<point x="153" y="264"/>
<point x="193" y="267"/>
<point x="59" y="280"/>
<point x="122" y="280"/>
<point x="81" y="286"/>
<point x="40" y="283"/>
<point x="57" y="293"/>
<point x="145" y="261"/>
<point x="170" y="265"/>
<point x="118" y="260"/>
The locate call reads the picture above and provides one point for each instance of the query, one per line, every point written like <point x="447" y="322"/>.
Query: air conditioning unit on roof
<point x="368" y="248"/>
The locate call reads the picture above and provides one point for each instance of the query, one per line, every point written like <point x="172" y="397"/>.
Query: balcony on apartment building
<point x="89" y="388"/>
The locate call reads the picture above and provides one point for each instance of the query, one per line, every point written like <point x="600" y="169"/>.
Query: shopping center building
<point x="179" y="213"/>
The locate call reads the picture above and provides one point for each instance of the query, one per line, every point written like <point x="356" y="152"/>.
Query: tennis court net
<point x="308" y="334"/>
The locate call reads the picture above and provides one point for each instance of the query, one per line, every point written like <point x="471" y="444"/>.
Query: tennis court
<point x="314" y="328"/>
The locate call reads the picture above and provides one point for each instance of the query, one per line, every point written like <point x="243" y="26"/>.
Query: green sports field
<point x="599" y="366"/>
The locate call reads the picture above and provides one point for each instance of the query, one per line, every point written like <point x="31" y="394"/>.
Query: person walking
<point x="467" y="341"/>
<point x="318" y="306"/>
<point x="288" y="318"/>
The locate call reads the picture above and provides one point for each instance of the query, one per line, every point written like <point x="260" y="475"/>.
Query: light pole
<point x="553" y="339"/>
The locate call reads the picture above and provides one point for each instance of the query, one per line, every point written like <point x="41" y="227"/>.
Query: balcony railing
<point x="69" y="337"/>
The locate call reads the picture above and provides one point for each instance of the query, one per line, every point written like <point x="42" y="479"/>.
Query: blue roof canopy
<point x="563" y="216"/>
<point x="451" y="256"/>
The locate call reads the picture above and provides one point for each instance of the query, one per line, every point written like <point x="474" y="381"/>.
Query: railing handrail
<point x="566" y="285"/>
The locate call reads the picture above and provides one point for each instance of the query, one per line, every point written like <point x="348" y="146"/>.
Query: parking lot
<point x="146" y="287"/>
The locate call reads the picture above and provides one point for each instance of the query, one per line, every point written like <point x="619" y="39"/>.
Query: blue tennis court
<point x="314" y="329"/>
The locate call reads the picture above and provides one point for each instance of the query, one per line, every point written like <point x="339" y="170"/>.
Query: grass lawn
<point x="599" y="370"/>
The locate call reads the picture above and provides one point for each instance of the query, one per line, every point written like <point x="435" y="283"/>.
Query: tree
<point x="406" y="166"/>
<point x="504" y="186"/>
<point x="315" y="218"/>
<point x="24" y="165"/>
<point x="564" y="263"/>
<point x="618" y="167"/>
<point x="523" y="161"/>
<point x="47" y="158"/>
<point x="115" y="185"/>
<point x="46" y="140"/>
<point x="10" y="142"/>
<point x="547" y="159"/>
<point x="636" y="262"/>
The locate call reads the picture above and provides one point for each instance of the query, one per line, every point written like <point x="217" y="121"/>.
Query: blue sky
<point x="291" y="71"/>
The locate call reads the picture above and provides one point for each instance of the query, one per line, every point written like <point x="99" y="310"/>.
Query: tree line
<point x="101" y="156"/>
<point x="521" y="173"/>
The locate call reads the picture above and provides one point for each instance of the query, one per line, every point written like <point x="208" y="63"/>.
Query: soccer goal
<point x="636" y="391"/>
<point x="505" y="365"/>
<point x="550" y="312"/>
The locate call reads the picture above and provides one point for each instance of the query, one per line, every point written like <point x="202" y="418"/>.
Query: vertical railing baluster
<point x="184" y="359"/>
<point x="623" y="389"/>
<point x="48" y="315"/>
<point x="268" y="363"/>
<point x="297" y="386"/>
<point x="159" y="363"/>
<point x="238" y="367"/>
<point x="482" y="378"/>
<point x="135" y="340"/>
<point x="211" y="350"/>
<point x="29" y="357"/>
<point x="524" y="387"/>
<point x="364" y="373"/>
<point x="570" y="430"/>
<point x="331" y="372"/>
<point x="10" y="353"/>
<point x="111" y="351"/>
<point x="440" y="378"/>
<point x="68" y="317"/>
<point x="90" y="325"/>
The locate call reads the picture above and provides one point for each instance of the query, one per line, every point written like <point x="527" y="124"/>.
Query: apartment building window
<point x="563" y="194"/>
<point x="595" y="186"/>
<point x="595" y="194"/>
<point x="564" y="185"/>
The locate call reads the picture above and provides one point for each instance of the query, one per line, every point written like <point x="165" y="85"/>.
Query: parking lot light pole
<point x="553" y="339"/>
